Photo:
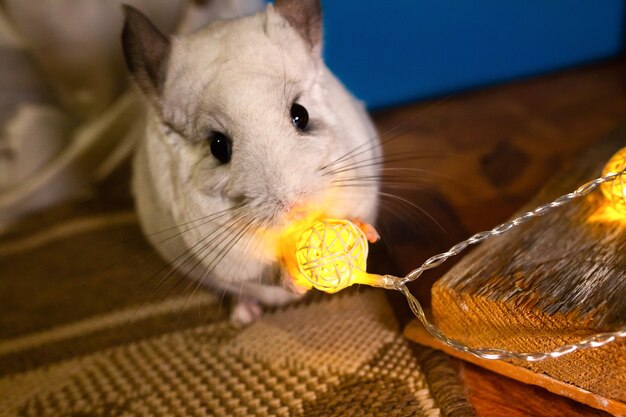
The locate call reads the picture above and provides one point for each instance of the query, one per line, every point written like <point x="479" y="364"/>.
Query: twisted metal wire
<point x="597" y="340"/>
<point x="594" y="341"/>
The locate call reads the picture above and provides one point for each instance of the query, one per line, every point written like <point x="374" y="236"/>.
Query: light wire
<point x="399" y="284"/>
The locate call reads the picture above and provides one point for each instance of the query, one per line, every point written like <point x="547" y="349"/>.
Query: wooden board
<point x="416" y="332"/>
<point x="549" y="283"/>
<point x="492" y="394"/>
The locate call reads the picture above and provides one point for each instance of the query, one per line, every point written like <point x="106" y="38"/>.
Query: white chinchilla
<point x="247" y="129"/>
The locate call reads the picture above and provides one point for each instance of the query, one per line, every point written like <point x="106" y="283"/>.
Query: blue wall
<point x="394" y="51"/>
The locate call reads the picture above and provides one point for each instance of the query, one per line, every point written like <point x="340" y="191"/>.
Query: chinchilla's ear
<point x="146" y="51"/>
<point x="305" y="16"/>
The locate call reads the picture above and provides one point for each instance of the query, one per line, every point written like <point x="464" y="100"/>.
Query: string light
<point x="615" y="191"/>
<point x="331" y="255"/>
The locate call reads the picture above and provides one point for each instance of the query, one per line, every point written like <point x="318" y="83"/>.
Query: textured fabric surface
<point x="337" y="356"/>
<point x="87" y="328"/>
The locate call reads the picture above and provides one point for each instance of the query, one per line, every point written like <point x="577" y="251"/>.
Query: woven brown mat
<point x="87" y="330"/>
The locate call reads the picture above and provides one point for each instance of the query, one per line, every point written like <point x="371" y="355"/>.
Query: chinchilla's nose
<point x="295" y="210"/>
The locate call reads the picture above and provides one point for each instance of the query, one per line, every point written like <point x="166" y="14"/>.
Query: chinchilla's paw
<point x="370" y="231"/>
<point x="245" y="312"/>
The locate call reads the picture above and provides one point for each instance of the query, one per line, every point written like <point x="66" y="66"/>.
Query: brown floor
<point x="485" y="153"/>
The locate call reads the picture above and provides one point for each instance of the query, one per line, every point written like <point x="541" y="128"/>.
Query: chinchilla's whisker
<point x="189" y="252"/>
<point x="223" y="252"/>
<point x="199" y="100"/>
<point x="293" y="84"/>
<point x="415" y="206"/>
<point x="207" y="244"/>
<point x="392" y="176"/>
<point x="379" y="161"/>
<point x="399" y="176"/>
<point x="397" y="181"/>
<point x="378" y="144"/>
<point x="367" y="185"/>
<point x="382" y="160"/>
<point x="370" y="141"/>
<point x="198" y="225"/>
<point x="142" y="258"/>
<point x="192" y="287"/>
<point x="174" y="265"/>
<point x="250" y="223"/>
<point x="220" y="256"/>
<point x="400" y="200"/>
<point x="221" y="303"/>
<point x="239" y="230"/>
<point x="282" y="57"/>
<point x="183" y="278"/>
<point x="251" y="245"/>
<point x="404" y="214"/>
<point x="207" y="217"/>
<point x="408" y="169"/>
<point x="385" y="229"/>
<point x="400" y="171"/>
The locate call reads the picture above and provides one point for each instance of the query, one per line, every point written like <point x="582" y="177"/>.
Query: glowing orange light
<point x="615" y="191"/>
<point x="330" y="255"/>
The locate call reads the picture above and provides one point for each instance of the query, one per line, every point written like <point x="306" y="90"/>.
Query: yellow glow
<point x="607" y="214"/>
<point x="615" y="191"/>
<point x="329" y="254"/>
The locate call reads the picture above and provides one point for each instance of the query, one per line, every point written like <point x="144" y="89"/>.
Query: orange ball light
<point x="615" y="191"/>
<point x="332" y="254"/>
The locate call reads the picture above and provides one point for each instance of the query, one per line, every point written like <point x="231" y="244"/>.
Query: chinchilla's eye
<point x="221" y="147"/>
<point x="299" y="116"/>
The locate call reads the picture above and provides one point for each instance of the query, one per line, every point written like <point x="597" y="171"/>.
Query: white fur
<point x="240" y="77"/>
